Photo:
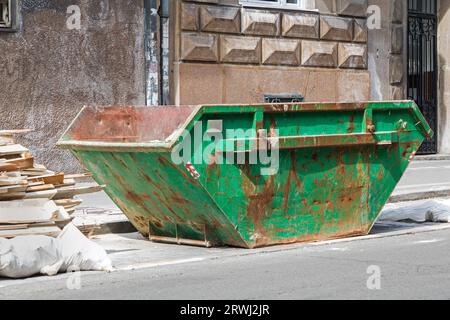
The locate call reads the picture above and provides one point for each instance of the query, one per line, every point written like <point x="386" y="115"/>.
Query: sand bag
<point x="80" y="253"/>
<point x="26" y="256"/>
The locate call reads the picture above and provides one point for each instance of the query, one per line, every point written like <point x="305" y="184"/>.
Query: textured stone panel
<point x="397" y="39"/>
<point x="235" y="49"/>
<point x="300" y="25"/>
<point x="199" y="47"/>
<point x="244" y="84"/>
<point x="321" y="86"/>
<point x="355" y="8"/>
<point x="352" y="55"/>
<point x="326" y="6"/>
<point x="396" y="70"/>
<point x="353" y="85"/>
<point x="397" y="11"/>
<point x="260" y="22"/>
<point x="216" y="83"/>
<point x="189" y="16"/>
<point x="200" y="83"/>
<point x="221" y="19"/>
<point x="281" y="52"/>
<point x="319" y="54"/>
<point x="360" y="30"/>
<point x="336" y="28"/>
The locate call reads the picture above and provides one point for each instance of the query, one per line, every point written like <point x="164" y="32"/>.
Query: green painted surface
<point x="338" y="165"/>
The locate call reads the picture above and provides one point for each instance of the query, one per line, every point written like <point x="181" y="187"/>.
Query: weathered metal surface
<point x="338" y="165"/>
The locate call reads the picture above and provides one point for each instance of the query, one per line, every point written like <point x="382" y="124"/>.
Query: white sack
<point x="80" y="253"/>
<point x="26" y="256"/>
<point x="29" y="255"/>
<point x="420" y="212"/>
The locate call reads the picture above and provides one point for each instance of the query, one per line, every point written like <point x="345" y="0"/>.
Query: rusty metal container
<point x="249" y="175"/>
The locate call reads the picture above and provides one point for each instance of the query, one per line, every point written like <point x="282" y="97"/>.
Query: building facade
<point x="242" y="50"/>
<point x="60" y="55"/>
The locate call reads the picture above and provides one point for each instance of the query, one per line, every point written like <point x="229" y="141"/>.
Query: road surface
<point x="409" y="266"/>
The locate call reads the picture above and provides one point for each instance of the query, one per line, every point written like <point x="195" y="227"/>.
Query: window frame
<point x="302" y="5"/>
<point x="12" y="23"/>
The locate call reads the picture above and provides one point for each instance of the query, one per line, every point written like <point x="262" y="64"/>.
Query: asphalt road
<point x="415" y="266"/>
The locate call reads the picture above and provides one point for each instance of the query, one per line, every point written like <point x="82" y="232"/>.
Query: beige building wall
<point x="233" y="54"/>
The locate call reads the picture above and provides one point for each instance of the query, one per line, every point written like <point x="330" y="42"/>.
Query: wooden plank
<point x="39" y="231"/>
<point x="43" y="187"/>
<point x="12" y="149"/>
<point x="12" y="196"/>
<point x="33" y="184"/>
<point x="29" y="223"/>
<point x="78" y="176"/>
<point x="34" y="174"/>
<point x="22" y="163"/>
<point x="70" y="192"/>
<point x="25" y="211"/>
<point x="13" y="227"/>
<point x="8" y="133"/>
<point x="11" y="189"/>
<point x="11" y="181"/>
<point x="47" y="194"/>
<point x="67" y="183"/>
<point x="55" y="179"/>
<point x="7" y="140"/>
<point x="4" y="166"/>
<point x="37" y="168"/>
<point x="14" y="174"/>
<point x="49" y="223"/>
<point x="68" y="203"/>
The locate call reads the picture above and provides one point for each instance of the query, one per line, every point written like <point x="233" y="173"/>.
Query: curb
<point x="423" y="195"/>
<point x="433" y="157"/>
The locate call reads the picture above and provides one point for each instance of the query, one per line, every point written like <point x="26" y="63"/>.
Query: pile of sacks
<point x="26" y="256"/>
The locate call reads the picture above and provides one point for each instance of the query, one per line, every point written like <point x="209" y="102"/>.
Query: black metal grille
<point x="283" y="98"/>
<point x="422" y="63"/>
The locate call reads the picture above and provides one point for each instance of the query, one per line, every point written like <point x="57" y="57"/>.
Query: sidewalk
<point x="424" y="179"/>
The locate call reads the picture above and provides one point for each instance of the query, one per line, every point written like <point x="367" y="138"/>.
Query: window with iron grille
<point x="287" y="4"/>
<point x="8" y="10"/>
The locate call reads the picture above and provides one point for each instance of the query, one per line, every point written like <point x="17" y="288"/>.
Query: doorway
<point x="422" y="64"/>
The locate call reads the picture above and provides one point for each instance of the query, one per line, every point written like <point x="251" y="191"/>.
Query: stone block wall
<point x="275" y="50"/>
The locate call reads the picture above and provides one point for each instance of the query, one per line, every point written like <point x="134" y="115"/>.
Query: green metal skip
<point x="249" y="175"/>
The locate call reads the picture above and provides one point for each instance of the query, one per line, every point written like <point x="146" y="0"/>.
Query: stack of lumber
<point x="33" y="199"/>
